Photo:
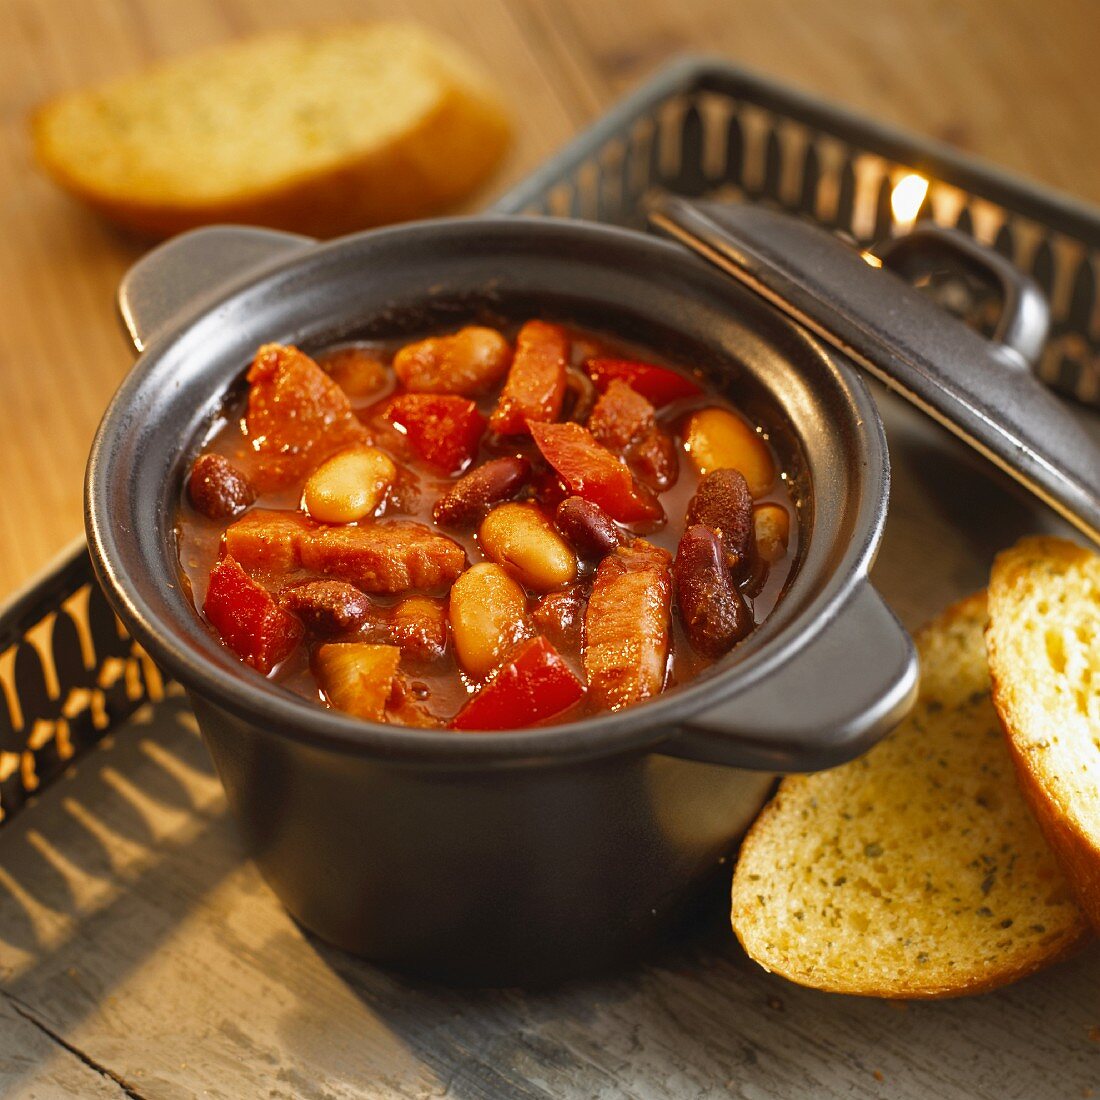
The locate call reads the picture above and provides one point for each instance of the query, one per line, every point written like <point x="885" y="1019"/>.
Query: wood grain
<point x="140" y="953"/>
<point x="132" y="928"/>
<point x="1009" y="79"/>
<point x="133" y="931"/>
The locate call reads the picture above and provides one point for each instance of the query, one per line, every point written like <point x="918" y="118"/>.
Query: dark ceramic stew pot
<point x="522" y="856"/>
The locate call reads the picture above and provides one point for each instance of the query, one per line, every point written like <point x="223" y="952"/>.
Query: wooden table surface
<point x="1012" y="80"/>
<point x="140" y="953"/>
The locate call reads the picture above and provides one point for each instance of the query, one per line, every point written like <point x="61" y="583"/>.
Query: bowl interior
<point x="413" y="279"/>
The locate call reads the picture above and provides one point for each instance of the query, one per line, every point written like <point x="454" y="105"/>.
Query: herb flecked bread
<point x="1044" y="657"/>
<point x="916" y="870"/>
<point x="316" y="131"/>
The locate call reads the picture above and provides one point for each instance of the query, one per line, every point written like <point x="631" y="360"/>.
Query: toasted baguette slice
<point x="1044" y="656"/>
<point x="916" y="870"/>
<point x="319" y="131"/>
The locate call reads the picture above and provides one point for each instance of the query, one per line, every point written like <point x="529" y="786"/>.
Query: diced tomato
<point x="659" y="385"/>
<point x="442" y="429"/>
<point x="248" y="619"/>
<point x="593" y="472"/>
<point x="297" y="416"/>
<point x="536" y="685"/>
<point x="535" y="387"/>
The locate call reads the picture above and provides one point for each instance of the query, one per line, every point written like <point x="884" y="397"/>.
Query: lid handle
<point x="192" y="266"/>
<point x="1024" y="321"/>
<point x="906" y="340"/>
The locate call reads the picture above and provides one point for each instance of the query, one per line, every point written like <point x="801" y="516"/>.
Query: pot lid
<point x="983" y="390"/>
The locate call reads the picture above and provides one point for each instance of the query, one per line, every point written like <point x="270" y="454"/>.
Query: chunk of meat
<point x="535" y="387"/>
<point x="588" y="527"/>
<point x="621" y="416"/>
<point x="714" y="613"/>
<point x="723" y="503"/>
<point x="248" y="619"/>
<point x="418" y="626"/>
<point x="655" y="460"/>
<point x="357" y="677"/>
<point x="268" y="541"/>
<point x="329" y="608"/>
<point x="375" y="557"/>
<point x="626" y="626"/>
<point x="560" y="616"/>
<point x="297" y="416"/>
<point x="466" y="501"/>
<point x="384" y="557"/>
<point x="536" y="685"/>
<point x="623" y="421"/>
<point x="659" y="385"/>
<point x="217" y="488"/>
<point x="443" y="430"/>
<point x="593" y="472"/>
<point x="468" y="362"/>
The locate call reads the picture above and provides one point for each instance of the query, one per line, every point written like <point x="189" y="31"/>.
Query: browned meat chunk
<point x="376" y="557"/>
<point x="626" y="626"/>
<point x="621" y="417"/>
<point x="268" y="541"/>
<point x="623" y="421"/>
<point x="419" y="626"/>
<point x="560" y="616"/>
<point x="297" y="416"/>
<point x="384" y="557"/>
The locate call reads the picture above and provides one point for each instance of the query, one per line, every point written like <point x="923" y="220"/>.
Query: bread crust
<point x="1077" y="850"/>
<point x="908" y="987"/>
<point x="451" y="150"/>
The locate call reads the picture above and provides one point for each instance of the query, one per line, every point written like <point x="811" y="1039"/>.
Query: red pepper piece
<point x="593" y="472"/>
<point x="536" y="685"/>
<point x="659" y="385"/>
<point x="535" y="387"/>
<point x="248" y="619"/>
<point x="444" y="430"/>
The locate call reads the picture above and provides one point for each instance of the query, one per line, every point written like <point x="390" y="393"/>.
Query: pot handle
<point x="1024" y="321"/>
<point x="848" y="687"/>
<point x="191" y="267"/>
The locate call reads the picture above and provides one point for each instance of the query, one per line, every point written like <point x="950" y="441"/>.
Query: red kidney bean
<point x="465" y="502"/>
<point x="328" y="609"/>
<point x="723" y="503"/>
<point x="217" y="488"/>
<point x="714" y="613"/>
<point x="588" y="527"/>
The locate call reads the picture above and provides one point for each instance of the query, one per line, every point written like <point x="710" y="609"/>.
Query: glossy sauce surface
<point x="441" y="686"/>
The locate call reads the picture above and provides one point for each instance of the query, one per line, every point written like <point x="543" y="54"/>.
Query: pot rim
<point x="643" y="727"/>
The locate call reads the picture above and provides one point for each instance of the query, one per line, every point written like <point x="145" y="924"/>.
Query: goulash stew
<point x="483" y="530"/>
